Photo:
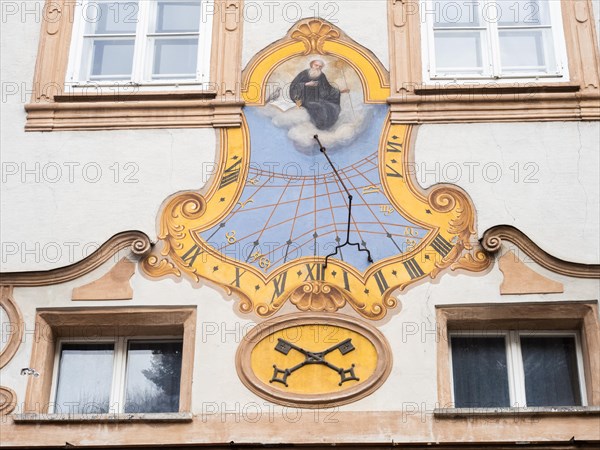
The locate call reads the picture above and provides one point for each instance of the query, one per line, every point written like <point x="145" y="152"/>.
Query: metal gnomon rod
<point x="338" y="247"/>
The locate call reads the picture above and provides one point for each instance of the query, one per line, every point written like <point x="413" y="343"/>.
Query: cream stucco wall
<point x="65" y="193"/>
<point x="539" y="177"/>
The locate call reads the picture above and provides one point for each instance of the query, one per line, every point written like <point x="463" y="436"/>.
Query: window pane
<point x="153" y="377"/>
<point x="480" y="372"/>
<point x="84" y="378"/>
<point x="177" y="17"/>
<point x="175" y="58"/>
<point x="522" y="12"/>
<point x="112" y="59"/>
<point x="458" y="51"/>
<point x="111" y="17"/>
<point x="551" y="375"/>
<point x="452" y="13"/>
<point x="525" y="51"/>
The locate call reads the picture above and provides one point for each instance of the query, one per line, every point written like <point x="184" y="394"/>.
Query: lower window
<point x="516" y="369"/>
<point x="123" y="375"/>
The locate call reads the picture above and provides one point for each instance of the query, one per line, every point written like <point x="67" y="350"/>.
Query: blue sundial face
<point x="293" y="205"/>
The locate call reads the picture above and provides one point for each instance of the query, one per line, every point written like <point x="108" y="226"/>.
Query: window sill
<point x="128" y="95"/>
<point x="494" y="102"/>
<point x="495" y="86"/>
<point x="127" y="111"/>
<point x="102" y="418"/>
<point x="517" y="411"/>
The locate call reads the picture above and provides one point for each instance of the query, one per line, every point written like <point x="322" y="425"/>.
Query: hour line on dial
<point x="301" y="216"/>
<point x="323" y="150"/>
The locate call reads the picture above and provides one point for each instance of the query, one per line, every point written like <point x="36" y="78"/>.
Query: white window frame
<point x="143" y="52"/>
<point x="116" y="402"/>
<point x="491" y="49"/>
<point x="514" y="360"/>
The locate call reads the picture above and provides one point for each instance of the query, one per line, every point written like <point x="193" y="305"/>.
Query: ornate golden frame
<point x="315" y="36"/>
<point x="443" y="209"/>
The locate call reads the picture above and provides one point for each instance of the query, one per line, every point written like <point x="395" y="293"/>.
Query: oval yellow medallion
<point x="313" y="360"/>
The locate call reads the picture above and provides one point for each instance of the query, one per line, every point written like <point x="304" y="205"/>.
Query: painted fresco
<point x="293" y="205"/>
<point x="276" y="209"/>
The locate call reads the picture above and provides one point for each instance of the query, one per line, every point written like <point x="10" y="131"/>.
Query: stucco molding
<point x="113" y="285"/>
<point x="413" y="101"/>
<point x="111" y="114"/>
<point x="104" y="418"/>
<point x="51" y="108"/>
<point x="8" y="400"/>
<point x="492" y="242"/>
<point x="15" y="325"/>
<point x="138" y="241"/>
<point x="519" y="279"/>
<point x="337" y="429"/>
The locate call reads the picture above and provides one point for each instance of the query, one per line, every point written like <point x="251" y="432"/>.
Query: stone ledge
<point x="102" y="418"/>
<point x="521" y="411"/>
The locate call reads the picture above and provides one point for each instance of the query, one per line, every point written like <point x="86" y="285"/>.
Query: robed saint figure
<point x="311" y="90"/>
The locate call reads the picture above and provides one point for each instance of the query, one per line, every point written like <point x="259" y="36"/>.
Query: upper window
<point x="493" y="39"/>
<point x="140" y="42"/>
<point x="517" y="369"/>
<point x="116" y="376"/>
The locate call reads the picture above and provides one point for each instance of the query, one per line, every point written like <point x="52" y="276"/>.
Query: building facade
<point x="365" y="224"/>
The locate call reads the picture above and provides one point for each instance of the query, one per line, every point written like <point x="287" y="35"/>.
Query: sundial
<point x="320" y="223"/>
<point x="296" y="205"/>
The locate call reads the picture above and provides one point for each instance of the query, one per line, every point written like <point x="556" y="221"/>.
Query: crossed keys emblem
<point x="284" y="347"/>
